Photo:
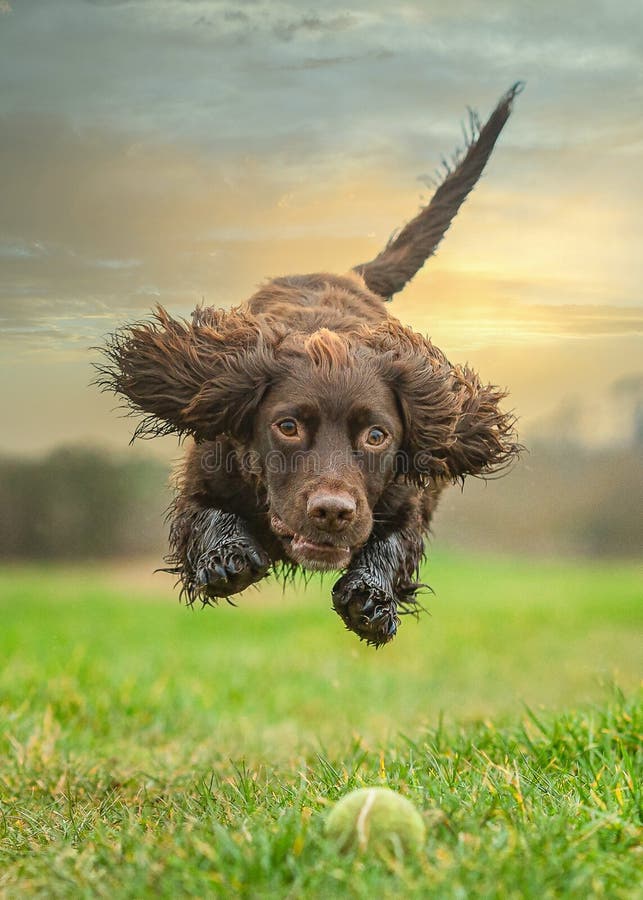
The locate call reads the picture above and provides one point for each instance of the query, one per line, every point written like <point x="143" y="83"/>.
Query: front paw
<point x="229" y="569"/>
<point x="367" y="609"/>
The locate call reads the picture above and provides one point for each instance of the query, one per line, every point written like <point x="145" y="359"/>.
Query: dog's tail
<point x="407" y="251"/>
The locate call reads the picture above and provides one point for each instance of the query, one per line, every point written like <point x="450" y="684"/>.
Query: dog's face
<point x="327" y="440"/>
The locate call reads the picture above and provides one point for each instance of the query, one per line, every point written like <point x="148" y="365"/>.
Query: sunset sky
<point x="177" y="151"/>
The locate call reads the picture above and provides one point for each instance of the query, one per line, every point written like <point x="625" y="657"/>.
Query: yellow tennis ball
<point x="375" y="818"/>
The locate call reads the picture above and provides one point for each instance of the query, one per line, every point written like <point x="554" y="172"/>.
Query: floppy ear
<point x="203" y="377"/>
<point x="484" y="439"/>
<point x="453" y="425"/>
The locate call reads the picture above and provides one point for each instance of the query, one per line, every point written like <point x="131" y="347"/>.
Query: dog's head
<point x="325" y="421"/>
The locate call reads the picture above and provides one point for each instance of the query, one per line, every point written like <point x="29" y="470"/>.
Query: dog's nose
<point x="331" y="512"/>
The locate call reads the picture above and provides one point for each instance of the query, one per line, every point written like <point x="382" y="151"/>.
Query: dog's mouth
<point x="320" y="556"/>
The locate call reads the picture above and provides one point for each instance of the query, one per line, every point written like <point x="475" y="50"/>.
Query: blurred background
<point x="181" y="151"/>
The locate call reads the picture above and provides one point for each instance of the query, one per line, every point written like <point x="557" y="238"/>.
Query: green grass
<point x="149" y="751"/>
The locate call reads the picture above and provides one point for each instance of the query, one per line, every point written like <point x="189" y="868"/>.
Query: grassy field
<point x="146" y="750"/>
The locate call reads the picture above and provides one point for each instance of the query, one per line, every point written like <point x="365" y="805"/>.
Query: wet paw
<point x="367" y="609"/>
<point x="229" y="569"/>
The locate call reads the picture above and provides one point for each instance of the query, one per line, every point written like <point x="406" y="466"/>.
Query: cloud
<point x="159" y="158"/>
<point x="91" y="218"/>
<point x="97" y="223"/>
<point x="286" y="30"/>
<point x="235" y="15"/>
<point x="326" y="61"/>
<point x="415" y="68"/>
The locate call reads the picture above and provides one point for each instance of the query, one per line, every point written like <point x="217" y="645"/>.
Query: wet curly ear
<point x="453" y="424"/>
<point x="202" y="377"/>
<point x="484" y="439"/>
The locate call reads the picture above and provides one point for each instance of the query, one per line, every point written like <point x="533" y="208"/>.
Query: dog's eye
<point x="288" y="428"/>
<point x="375" y="437"/>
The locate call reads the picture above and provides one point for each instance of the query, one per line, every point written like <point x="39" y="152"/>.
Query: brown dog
<point x="324" y="430"/>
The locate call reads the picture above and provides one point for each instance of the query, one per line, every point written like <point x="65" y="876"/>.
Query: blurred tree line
<point x="80" y="503"/>
<point x="559" y="500"/>
<point x="83" y="503"/>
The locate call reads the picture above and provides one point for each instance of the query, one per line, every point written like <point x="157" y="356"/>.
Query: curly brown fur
<point x="324" y="430"/>
<point x="213" y="554"/>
